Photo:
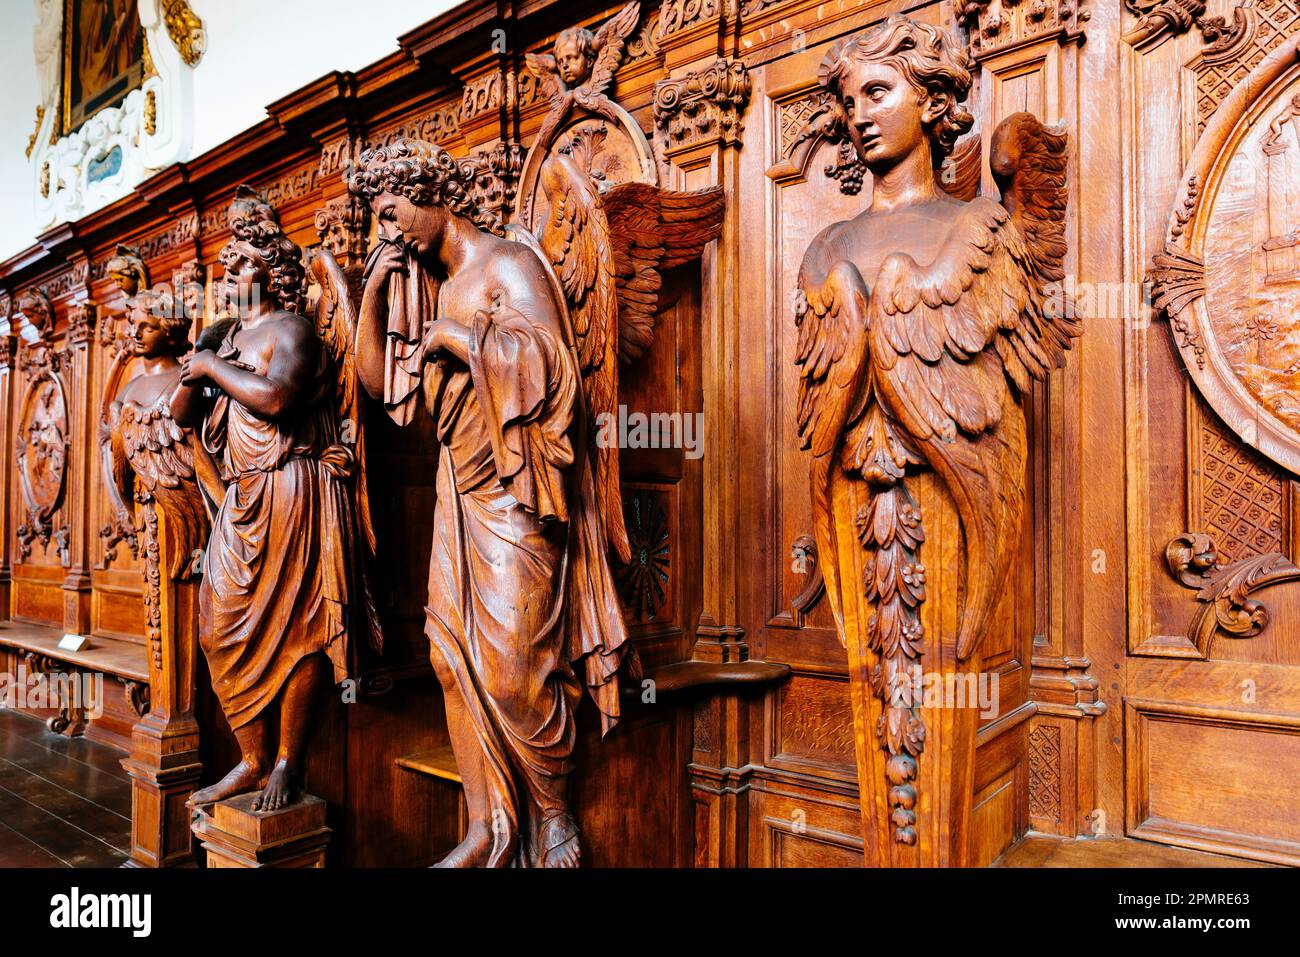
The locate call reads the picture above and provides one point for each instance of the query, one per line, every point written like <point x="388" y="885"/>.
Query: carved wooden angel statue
<point x="281" y="584"/>
<point x="609" y="250"/>
<point x="922" y="322"/>
<point x="520" y="590"/>
<point x="145" y="445"/>
<point x="581" y="69"/>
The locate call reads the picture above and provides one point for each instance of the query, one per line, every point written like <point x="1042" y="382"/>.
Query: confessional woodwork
<point x="1145" y="638"/>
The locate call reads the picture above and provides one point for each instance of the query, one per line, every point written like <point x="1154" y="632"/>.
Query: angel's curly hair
<point x="253" y="220"/>
<point x="424" y="173"/>
<point x="585" y="38"/>
<point x="931" y="60"/>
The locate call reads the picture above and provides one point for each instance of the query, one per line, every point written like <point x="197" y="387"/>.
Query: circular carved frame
<point x="626" y="142"/>
<point x="1178" y="276"/>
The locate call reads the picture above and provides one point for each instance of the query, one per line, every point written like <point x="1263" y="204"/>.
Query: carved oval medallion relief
<point x="1229" y="276"/>
<point x="43" y="445"/>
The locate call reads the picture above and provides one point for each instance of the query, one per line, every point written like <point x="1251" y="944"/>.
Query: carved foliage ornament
<point x="1228" y="276"/>
<point x="705" y="105"/>
<point x="1225" y="589"/>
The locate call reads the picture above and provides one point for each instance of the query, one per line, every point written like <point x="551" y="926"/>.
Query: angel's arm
<point x="120" y="477"/>
<point x="285" y="385"/>
<point x="372" y="322"/>
<point x="189" y="406"/>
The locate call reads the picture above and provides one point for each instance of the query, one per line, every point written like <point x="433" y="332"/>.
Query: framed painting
<point x="103" y="57"/>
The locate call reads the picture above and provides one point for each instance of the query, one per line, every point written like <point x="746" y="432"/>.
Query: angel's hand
<point x="388" y="259"/>
<point x="197" y="367"/>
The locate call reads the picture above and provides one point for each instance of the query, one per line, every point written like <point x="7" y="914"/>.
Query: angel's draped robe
<point x="275" y="573"/>
<point x="519" y="586"/>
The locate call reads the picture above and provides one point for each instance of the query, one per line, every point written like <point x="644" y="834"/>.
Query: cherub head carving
<point x="260" y="260"/>
<point x="897" y="88"/>
<point x="575" y="54"/>
<point x="412" y="188"/>
<point x="128" y="270"/>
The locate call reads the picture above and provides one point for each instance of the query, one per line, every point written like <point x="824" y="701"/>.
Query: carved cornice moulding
<point x="1230" y="299"/>
<point x="996" y="26"/>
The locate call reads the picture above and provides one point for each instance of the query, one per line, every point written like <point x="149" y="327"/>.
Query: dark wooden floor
<point x="64" y="802"/>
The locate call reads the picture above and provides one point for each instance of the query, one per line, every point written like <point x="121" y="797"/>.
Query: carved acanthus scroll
<point x="1225" y="590"/>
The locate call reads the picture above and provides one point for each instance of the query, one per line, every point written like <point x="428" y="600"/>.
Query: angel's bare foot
<point x="471" y="852"/>
<point x="280" y="789"/>
<point x="244" y="776"/>
<point x="562" y="845"/>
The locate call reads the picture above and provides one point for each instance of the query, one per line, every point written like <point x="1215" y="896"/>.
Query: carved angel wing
<point x="542" y="66"/>
<point x="161" y="455"/>
<point x="609" y="251"/>
<point x="336" y="323"/>
<point x="831" y="316"/>
<point x="610" y="40"/>
<point x="575" y="238"/>
<point x="1028" y="161"/>
<point x="947" y="341"/>
<point x="652" y="230"/>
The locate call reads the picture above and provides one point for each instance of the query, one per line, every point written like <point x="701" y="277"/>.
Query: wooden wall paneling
<point x="8" y="345"/>
<point x="1193" y="718"/>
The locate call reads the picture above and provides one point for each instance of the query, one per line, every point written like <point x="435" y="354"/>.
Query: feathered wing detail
<point x="947" y="342"/>
<point x="608" y="251"/>
<point x="542" y="66"/>
<point x="161" y="455"/>
<point x="959" y="175"/>
<point x="336" y="323"/>
<point x="575" y="240"/>
<point x="610" y="40"/>
<point x="652" y="230"/>
<point x="831" y="316"/>
<point x="1029" y="163"/>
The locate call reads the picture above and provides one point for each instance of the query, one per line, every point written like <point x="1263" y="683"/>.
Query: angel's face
<point x="572" y="60"/>
<point x="420" y="227"/>
<point x="887" y="115"/>
<point x="147" y="336"/>
<point x="246" y="278"/>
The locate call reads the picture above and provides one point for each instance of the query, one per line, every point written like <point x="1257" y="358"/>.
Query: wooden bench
<point x="128" y="662"/>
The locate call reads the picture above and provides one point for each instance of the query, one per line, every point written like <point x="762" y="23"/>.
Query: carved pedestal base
<point x="234" y="835"/>
<point x="164" y="768"/>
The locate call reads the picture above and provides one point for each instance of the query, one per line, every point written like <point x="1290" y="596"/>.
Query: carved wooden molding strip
<point x="1224" y="590"/>
<point x="996" y="26"/>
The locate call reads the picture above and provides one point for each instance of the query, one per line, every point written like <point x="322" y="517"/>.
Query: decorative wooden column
<point x="698" y="120"/>
<point x="76" y="555"/>
<point x="164" y="762"/>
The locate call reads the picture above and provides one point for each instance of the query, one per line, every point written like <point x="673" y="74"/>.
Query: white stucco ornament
<point x="118" y="147"/>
